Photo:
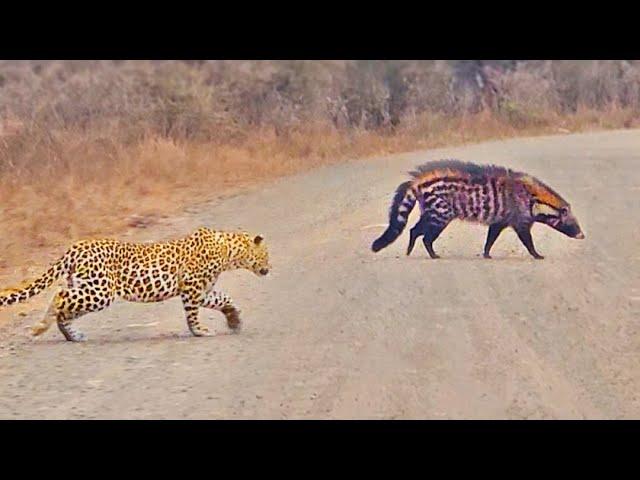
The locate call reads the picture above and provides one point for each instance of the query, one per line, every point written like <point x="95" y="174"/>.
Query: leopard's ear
<point x="258" y="239"/>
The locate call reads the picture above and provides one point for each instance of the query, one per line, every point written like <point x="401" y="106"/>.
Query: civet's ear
<point x="543" y="209"/>
<point x="258" y="239"/>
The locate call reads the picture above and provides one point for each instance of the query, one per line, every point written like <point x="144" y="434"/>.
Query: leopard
<point x="98" y="272"/>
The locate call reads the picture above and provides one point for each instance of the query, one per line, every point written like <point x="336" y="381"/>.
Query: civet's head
<point x="559" y="218"/>
<point x="551" y="209"/>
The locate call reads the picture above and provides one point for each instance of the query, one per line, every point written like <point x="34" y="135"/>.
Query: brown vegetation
<point x="91" y="148"/>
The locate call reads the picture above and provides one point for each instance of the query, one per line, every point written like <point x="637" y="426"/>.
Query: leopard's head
<point x="256" y="257"/>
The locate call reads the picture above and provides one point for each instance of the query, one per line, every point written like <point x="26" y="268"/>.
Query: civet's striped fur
<point x="495" y="196"/>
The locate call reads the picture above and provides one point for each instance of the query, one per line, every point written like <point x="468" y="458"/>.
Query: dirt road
<point x="339" y="332"/>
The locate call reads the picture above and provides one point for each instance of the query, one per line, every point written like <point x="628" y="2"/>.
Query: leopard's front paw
<point x="233" y="318"/>
<point x="200" y="331"/>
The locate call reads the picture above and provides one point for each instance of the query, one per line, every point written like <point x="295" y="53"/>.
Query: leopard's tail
<point x="27" y="290"/>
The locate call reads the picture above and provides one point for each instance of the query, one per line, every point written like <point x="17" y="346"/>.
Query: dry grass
<point x="102" y="191"/>
<point x="93" y="148"/>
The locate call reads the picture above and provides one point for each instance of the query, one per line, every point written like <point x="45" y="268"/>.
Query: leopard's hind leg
<point x="49" y="317"/>
<point x="76" y="302"/>
<point x="84" y="296"/>
<point x="52" y="312"/>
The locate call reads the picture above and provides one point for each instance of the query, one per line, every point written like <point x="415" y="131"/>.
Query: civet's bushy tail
<point x="403" y="202"/>
<point x="24" y="292"/>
